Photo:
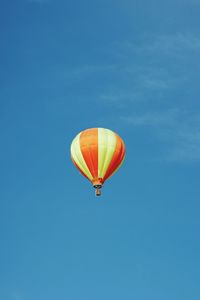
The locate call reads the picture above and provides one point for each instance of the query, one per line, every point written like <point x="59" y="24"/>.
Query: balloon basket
<point x="98" y="190"/>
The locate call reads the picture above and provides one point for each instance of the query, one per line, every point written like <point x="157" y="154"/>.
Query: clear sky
<point x="131" y="66"/>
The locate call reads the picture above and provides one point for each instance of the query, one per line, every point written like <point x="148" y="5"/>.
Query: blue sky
<point x="131" y="66"/>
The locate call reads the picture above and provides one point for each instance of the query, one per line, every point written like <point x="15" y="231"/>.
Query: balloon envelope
<point x="97" y="153"/>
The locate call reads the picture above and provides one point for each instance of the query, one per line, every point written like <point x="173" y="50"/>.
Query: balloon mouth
<point x="97" y="186"/>
<point x="97" y="181"/>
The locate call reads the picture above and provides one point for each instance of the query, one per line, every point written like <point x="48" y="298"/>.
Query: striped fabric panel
<point x="117" y="158"/>
<point x="89" y="149"/>
<point x="107" y="142"/>
<point x="77" y="157"/>
<point x="111" y="174"/>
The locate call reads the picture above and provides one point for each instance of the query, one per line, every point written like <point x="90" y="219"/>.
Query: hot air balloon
<point x="97" y="153"/>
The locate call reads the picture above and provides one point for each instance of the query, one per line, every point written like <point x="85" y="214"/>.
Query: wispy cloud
<point x="156" y="65"/>
<point x="175" y="44"/>
<point x="153" y="119"/>
<point x="151" y="67"/>
<point x="164" y="44"/>
<point x="146" y="74"/>
<point x="179" y="129"/>
<point x="143" y="86"/>
<point x="171" y="66"/>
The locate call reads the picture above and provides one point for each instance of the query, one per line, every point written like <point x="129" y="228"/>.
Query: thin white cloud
<point x="177" y="45"/>
<point x="149" y="68"/>
<point x="161" y="68"/>
<point x="153" y="119"/>
<point x="145" y="75"/>
<point x="155" y="66"/>
<point x="168" y="44"/>
<point x="179" y="130"/>
<point x="141" y="87"/>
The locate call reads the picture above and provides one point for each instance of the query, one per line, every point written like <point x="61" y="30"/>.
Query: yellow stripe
<point x="78" y="157"/>
<point x="107" y="142"/>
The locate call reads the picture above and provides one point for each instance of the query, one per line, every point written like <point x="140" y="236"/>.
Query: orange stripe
<point x="89" y="149"/>
<point x="117" y="158"/>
